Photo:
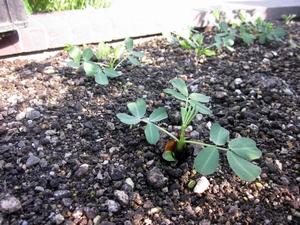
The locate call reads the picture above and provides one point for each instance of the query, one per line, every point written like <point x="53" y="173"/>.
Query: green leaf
<point x="232" y="37"/>
<point x="129" y="44"/>
<point x="221" y="35"/>
<point x="259" y="21"/>
<point x="185" y="44"/>
<point x="230" y="48"/>
<point x="260" y="29"/>
<point x="181" y="86"/>
<point x="67" y="48"/>
<point x="90" y="68"/>
<point x="198" y="38"/>
<point x="262" y="39"/>
<point x="199" y="97"/>
<point x="199" y="51"/>
<point x="169" y="156"/>
<point x="73" y="64"/>
<point x="138" y="54"/>
<point x="110" y="73"/>
<point x="245" y="148"/>
<point x="127" y="119"/>
<point x="98" y="55"/>
<point x="118" y="51"/>
<point x="243" y="15"/>
<point x="271" y="37"/>
<point x="207" y="161"/>
<point x="152" y="133"/>
<point x="133" y="60"/>
<point x="107" y="50"/>
<point x="218" y="43"/>
<point x="158" y="115"/>
<point x="218" y="134"/>
<point x="279" y="32"/>
<point x="101" y="78"/>
<point x="192" y="43"/>
<point x="87" y="54"/>
<point x="243" y="168"/>
<point x="200" y="107"/>
<point x="217" y="14"/>
<point x="218" y="39"/>
<point x="248" y="38"/>
<point x="228" y="41"/>
<point x="209" y="52"/>
<point x="101" y="46"/>
<point x="219" y="46"/>
<point x="223" y="26"/>
<point x="232" y="33"/>
<point x="104" y="50"/>
<point x="175" y="94"/>
<point x="184" y="116"/>
<point x="75" y="53"/>
<point x="242" y="29"/>
<point x="137" y="108"/>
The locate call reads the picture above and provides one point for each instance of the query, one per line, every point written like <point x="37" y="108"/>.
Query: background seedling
<point x="247" y="28"/>
<point x="288" y="18"/>
<point x="107" y="58"/>
<point x="193" y="41"/>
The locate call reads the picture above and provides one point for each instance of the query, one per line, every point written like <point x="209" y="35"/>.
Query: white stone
<point x="202" y="185"/>
<point x="238" y="81"/>
<point x="50" y="132"/>
<point x="112" y="206"/>
<point x="10" y="204"/>
<point x="266" y="61"/>
<point x="130" y="182"/>
<point x="21" y="116"/>
<point x="58" y="219"/>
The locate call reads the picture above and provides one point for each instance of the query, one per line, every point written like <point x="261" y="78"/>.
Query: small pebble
<point x="32" y="161"/>
<point x="10" y="204"/>
<point x="202" y="185"/>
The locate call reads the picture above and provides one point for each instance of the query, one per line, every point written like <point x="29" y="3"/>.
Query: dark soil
<point x="65" y="158"/>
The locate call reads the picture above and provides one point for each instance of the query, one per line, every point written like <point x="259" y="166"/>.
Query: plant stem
<point x="125" y="57"/>
<point x="207" y="145"/>
<point x="119" y="63"/>
<point x="162" y="129"/>
<point x="168" y="133"/>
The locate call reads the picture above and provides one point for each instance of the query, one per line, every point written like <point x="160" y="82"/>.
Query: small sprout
<point x="193" y="41"/>
<point x="92" y="194"/>
<point x="192" y="184"/>
<point x="288" y="18"/>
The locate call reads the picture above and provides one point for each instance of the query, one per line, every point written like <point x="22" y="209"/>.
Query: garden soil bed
<point x="65" y="158"/>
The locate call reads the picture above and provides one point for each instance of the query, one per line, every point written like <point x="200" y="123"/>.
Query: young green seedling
<point x="239" y="151"/>
<point x="245" y="27"/>
<point x="107" y="57"/>
<point x="288" y="18"/>
<point x="193" y="41"/>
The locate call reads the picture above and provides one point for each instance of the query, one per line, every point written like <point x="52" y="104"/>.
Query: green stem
<point x="168" y="133"/>
<point x="208" y="47"/>
<point x="126" y="56"/>
<point x="118" y="63"/>
<point x="207" y="145"/>
<point x="162" y="129"/>
<point x="102" y="65"/>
